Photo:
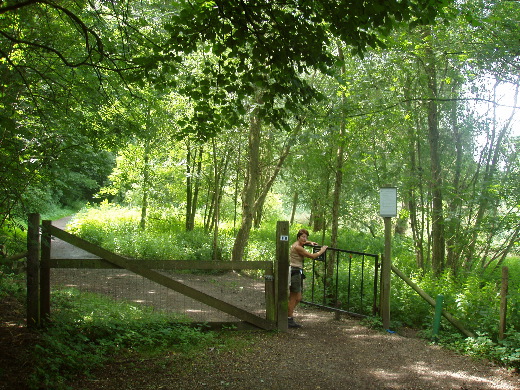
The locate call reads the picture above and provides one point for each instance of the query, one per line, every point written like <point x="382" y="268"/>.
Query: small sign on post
<point x="387" y="210"/>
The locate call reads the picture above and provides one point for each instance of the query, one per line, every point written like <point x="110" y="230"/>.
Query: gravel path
<point x="324" y="354"/>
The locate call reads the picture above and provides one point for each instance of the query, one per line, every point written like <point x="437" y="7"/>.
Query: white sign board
<point x="388" y="202"/>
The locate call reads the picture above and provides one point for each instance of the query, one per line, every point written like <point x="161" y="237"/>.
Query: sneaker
<point x="292" y="324"/>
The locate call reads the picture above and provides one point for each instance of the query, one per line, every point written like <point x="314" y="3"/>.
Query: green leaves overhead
<point x="239" y="47"/>
<point x="292" y="32"/>
<point x="268" y="46"/>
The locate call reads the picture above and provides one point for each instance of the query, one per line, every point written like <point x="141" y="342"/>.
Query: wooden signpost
<point x="387" y="210"/>
<point x="282" y="274"/>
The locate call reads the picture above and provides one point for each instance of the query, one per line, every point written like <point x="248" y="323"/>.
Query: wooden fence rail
<point x="456" y="323"/>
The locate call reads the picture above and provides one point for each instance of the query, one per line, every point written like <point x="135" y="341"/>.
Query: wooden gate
<point x="39" y="275"/>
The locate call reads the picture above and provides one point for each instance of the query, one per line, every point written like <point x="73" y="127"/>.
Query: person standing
<point x="296" y="255"/>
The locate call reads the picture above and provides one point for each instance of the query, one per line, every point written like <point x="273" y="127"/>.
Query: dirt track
<point x="324" y="354"/>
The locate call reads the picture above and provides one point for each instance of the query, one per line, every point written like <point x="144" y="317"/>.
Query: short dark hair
<point x="302" y="231"/>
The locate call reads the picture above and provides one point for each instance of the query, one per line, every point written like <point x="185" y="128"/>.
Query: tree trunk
<point x="335" y="202"/>
<point x="192" y="185"/>
<point x="217" y="256"/>
<point x="294" y="205"/>
<point x="210" y="201"/>
<point x="438" y="244"/>
<point x="415" y="188"/>
<point x="260" y="201"/>
<point x="196" y="189"/>
<point x="338" y="182"/>
<point x="486" y="203"/>
<point x="189" y="188"/>
<point x="237" y="179"/>
<point x="259" y="210"/>
<point x="146" y="185"/>
<point x="250" y="188"/>
<point x="453" y="243"/>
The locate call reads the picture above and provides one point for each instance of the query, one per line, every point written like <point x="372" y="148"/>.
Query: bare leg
<point x="294" y="299"/>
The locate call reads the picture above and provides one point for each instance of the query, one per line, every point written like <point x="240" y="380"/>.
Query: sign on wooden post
<point x="387" y="210"/>
<point x="388" y="202"/>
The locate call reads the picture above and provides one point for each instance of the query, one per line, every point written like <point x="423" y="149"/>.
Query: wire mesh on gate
<point x="241" y="290"/>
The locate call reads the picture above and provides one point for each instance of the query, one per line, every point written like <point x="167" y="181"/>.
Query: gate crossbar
<point x="136" y="267"/>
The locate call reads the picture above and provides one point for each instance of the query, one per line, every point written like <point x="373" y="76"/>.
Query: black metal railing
<point x="341" y="286"/>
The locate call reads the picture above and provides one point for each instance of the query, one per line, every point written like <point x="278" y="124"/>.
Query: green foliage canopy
<point x="268" y="46"/>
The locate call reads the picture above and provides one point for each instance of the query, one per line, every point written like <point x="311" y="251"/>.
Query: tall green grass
<point x="117" y="229"/>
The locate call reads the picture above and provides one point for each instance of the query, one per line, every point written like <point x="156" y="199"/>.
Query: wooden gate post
<point x="385" y="275"/>
<point x="45" y="276"/>
<point x="33" y="270"/>
<point x="270" y="297"/>
<point x="282" y="274"/>
<point x="387" y="210"/>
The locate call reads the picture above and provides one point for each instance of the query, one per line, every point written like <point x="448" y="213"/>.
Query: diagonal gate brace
<point x="132" y="265"/>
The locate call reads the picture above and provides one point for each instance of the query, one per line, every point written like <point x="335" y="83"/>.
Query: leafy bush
<point x="12" y="285"/>
<point x="509" y="349"/>
<point x="100" y="224"/>
<point x="87" y="330"/>
<point x="504" y="352"/>
<point x="14" y="236"/>
<point x="407" y="306"/>
<point x="478" y="303"/>
<point x="474" y="300"/>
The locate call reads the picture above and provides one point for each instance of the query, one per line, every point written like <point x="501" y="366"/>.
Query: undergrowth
<point x="12" y="284"/>
<point x="87" y="330"/>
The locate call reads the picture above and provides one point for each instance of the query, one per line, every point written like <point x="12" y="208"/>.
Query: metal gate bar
<point x="333" y="303"/>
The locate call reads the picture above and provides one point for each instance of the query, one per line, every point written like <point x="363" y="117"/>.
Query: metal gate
<point x="343" y="281"/>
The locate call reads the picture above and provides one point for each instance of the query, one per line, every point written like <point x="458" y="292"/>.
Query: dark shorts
<point x="296" y="280"/>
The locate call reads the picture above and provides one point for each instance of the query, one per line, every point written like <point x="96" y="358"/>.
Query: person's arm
<point x="302" y="252"/>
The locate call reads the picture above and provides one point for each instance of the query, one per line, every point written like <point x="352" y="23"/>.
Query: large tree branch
<point x="86" y="32"/>
<point x="18" y="5"/>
